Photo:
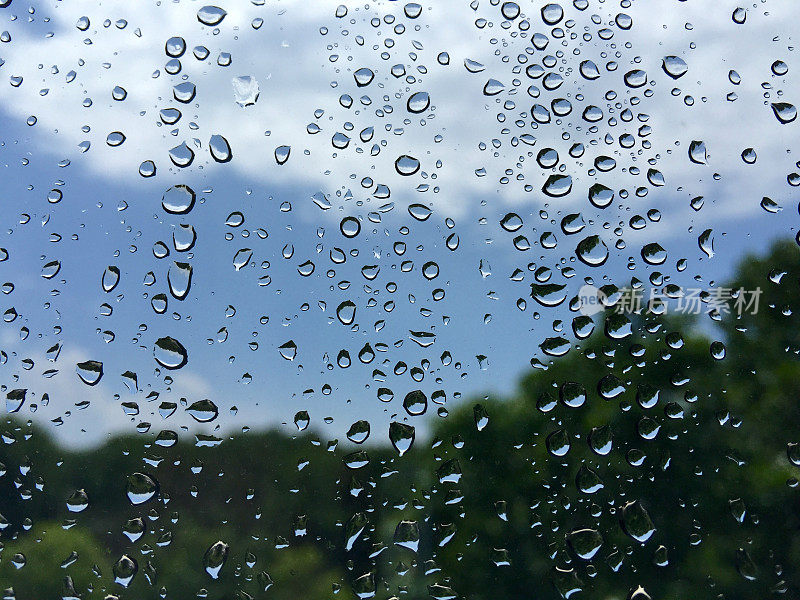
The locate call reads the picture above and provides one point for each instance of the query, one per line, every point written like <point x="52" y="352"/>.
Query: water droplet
<point x="654" y="254"/>
<point x="511" y="222"/>
<point x="600" y="196"/>
<point x="242" y="258"/>
<point x="181" y="155"/>
<point x="110" y="278"/>
<point x="406" y="165"/>
<point x="214" y="558"/>
<point x="350" y="227"/>
<point x="90" y="372"/>
<point x="406" y="535"/>
<point x="784" y="112"/>
<point x="245" y="90"/>
<point x="401" y="436"/>
<point x="125" y="570"/>
<point x="358" y="432"/>
<point x="211" y="15"/>
<point x="592" y="251"/>
<point x="589" y="70"/>
<point x="480" y="416"/>
<point x="220" y="149"/>
<point x="340" y="141"/>
<point x="674" y="66"/>
<point x="147" y="168"/>
<point x="78" y="501"/>
<point x="15" y="399"/>
<point x="557" y="186"/>
<point x="415" y="403"/>
<point x="282" y="154"/>
<point x="184" y="92"/>
<point x="548" y="294"/>
<point x="585" y="543"/>
<point x="412" y="10"/>
<point x="418" y="102"/>
<point x="697" y="152"/>
<point x="779" y="68"/>
<point x="141" y="488"/>
<point x="179" y="279"/>
<point x="203" y="411"/>
<point x="547" y="158"/>
<point x="493" y="87"/>
<point x="635" y="78"/>
<point x="170" y="353"/>
<point x="346" y="312"/>
<point x="552" y="13"/>
<point x="363" y="77"/>
<point x="558" y="443"/>
<point x="600" y="440"/>
<point x="636" y="521"/>
<point x="706" y="242"/>
<point x="473" y="66"/>
<point x="288" y="350"/>
<point x="419" y="211"/>
<point x="175" y="47"/>
<point x="510" y="10"/>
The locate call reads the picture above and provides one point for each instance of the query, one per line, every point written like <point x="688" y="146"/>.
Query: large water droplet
<point x="674" y="66"/>
<point x="282" y="154"/>
<point x="211" y="15"/>
<point x="125" y="570"/>
<point x="346" y="312"/>
<point x="600" y="195"/>
<point x="214" y="558"/>
<point x="15" y="399"/>
<point x="141" y="488"/>
<point x="589" y="70"/>
<point x="557" y="186"/>
<point x="203" y="411"/>
<point x="245" y="90"/>
<point x="697" y="152"/>
<point x="784" y="112"/>
<point x="178" y="200"/>
<point x="220" y="149"/>
<point x="585" y="543"/>
<point x="78" y="501"/>
<point x="654" y="254"/>
<point x="635" y="78"/>
<point x="406" y="535"/>
<point x="406" y="165"/>
<point x="636" y="522"/>
<point x="415" y="403"/>
<point x="110" y="278"/>
<point x="363" y="76"/>
<point x="401" y="436"/>
<point x="592" y="251"/>
<point x="90" y="372"/>
<point x="418" y="102"/>
<point x="179" y="279"/>
<point x="170" y="353"/>
<point x="181" y="155"/>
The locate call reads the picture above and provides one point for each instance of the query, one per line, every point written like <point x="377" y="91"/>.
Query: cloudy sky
<point x="270" y="260"/>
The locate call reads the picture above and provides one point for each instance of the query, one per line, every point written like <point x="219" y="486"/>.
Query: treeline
<point x="651" y="455"/>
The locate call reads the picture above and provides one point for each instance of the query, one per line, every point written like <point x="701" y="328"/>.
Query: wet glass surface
<point x="399" y="300"/>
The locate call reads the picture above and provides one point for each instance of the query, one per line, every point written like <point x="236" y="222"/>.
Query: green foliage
<point x="698" y="447"/>
<point x="47" y="548"/>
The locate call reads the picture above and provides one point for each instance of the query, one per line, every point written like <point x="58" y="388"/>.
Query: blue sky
<point x="293" y="62"/>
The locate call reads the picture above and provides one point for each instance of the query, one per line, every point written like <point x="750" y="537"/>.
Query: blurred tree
<point x="653" y="454"/>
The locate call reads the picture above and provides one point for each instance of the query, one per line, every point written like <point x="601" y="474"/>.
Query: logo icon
<point x="591" y="300"/>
